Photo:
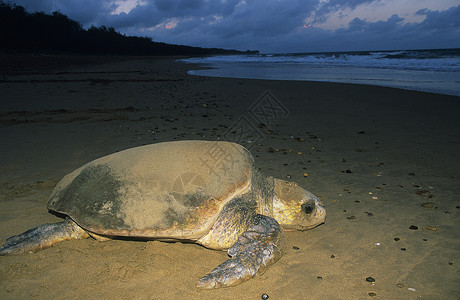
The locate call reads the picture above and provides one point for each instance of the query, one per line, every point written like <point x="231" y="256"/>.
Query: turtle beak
<point x="320" y="210"/>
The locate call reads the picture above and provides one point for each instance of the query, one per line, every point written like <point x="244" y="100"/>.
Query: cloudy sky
<point x="273" y="25"/>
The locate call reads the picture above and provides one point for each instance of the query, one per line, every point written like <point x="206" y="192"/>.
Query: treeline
<point x="40" y="32"/>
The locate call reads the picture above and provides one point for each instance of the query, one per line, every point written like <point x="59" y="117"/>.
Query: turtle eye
<point x="307" y="207"/>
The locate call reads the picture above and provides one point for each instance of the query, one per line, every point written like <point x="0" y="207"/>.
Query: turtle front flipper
<point x="256" y="249"/>
<point x="42" y="237"/>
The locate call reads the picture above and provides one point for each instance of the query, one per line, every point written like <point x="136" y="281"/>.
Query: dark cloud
<point x="178" y="5"/>
<point x="438" y="30"/>
<point x="267" y="25"/>
<point x="264" y="19"/>
<point x="324" y="9"/>
<point x="153" y="13"/>
<point x="389" y="25"/>
<point x="445" y="20"/>
<point x="84" y="11"/>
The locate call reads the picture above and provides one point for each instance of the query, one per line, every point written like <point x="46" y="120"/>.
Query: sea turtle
<point x="207" y="192"/>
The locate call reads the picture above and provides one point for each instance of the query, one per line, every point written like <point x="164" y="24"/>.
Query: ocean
<point x="434" y="71"/>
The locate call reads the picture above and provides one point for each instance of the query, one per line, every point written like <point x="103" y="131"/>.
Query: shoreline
<point x="378" y="68"/>
<point x="325" y="81"/>
<point x="373" y="155"/>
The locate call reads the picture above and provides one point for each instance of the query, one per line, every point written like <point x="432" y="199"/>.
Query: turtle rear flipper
<point x="256" y="249"/>
<point x="42" y="237"/>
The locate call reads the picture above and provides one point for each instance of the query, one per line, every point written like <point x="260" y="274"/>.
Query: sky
<point x="273" y="26"/>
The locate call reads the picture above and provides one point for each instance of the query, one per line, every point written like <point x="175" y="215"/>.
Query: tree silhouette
<point x="40" y="32"/>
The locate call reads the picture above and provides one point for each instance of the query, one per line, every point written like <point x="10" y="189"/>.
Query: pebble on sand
<point x="428" y="205"/>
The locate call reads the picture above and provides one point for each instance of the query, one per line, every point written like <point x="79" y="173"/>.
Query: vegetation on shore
<point x="40" y="32"/>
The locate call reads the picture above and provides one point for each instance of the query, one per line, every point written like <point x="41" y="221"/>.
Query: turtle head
<point x="296" y="208"/>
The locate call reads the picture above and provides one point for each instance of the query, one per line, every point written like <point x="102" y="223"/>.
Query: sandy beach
<point x="384" y="161"/>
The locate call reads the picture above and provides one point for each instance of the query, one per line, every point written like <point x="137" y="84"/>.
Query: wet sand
<point x="384" y="161"/>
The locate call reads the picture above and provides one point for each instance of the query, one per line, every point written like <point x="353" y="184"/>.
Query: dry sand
<point x="374" y="155"/>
